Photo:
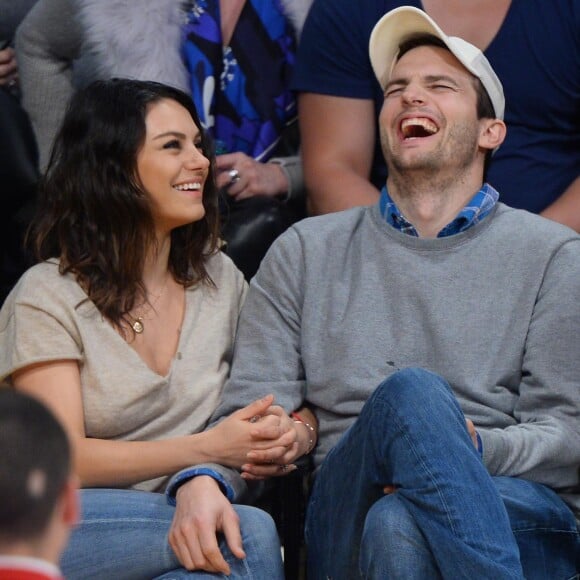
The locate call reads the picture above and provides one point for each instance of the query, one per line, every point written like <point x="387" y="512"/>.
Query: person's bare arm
<point x="100" y="462"/>
<point x="8" y="66"/>
<point x="566" y="209"/>
<point x="338" y="139"/>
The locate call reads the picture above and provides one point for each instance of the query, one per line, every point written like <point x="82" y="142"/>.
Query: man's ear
<point x="493" y="132"/>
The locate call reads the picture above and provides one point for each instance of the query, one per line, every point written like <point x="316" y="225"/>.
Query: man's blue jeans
<point x="122" y="535"/>
<point x="448" y="518"/>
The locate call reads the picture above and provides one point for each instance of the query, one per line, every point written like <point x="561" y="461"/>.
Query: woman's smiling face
<point x="171" y="166"/>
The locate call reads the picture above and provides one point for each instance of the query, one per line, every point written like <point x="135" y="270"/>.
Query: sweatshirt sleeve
<point x="267" y="357"/>
<point x="544" y="445"/>
<point x="47" y="42"/>
<point x="229" y="480"/>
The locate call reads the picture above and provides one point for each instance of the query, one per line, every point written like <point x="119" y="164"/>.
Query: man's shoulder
<point x="316" y="241"/>
<point x="532" y="228"/>
<point x="339" y="224"/>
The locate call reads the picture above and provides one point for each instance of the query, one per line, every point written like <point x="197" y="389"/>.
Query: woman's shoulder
<point x="228" y="284"/>
<point x="44" y="283"/>
<point x="223" y="271"/>
<point x="47" y="274"/>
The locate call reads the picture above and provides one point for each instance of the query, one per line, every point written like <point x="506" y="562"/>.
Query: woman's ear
<point x="493" y="133"/>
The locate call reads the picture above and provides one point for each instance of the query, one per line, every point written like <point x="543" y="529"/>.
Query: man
<point x="38" y="491"/>
<point x="465" y="314"/>
<point x="533" y="47"/>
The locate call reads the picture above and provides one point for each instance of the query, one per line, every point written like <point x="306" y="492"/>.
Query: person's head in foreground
<point x="38" y="491"/>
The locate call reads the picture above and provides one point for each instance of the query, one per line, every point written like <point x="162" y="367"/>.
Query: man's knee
<point x="412" y="385"/>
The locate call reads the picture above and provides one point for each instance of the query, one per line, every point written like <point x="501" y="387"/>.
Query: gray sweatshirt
<point x="341" y="301"/>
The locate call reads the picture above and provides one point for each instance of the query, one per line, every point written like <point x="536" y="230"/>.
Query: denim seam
<point x="546" y="529"/>
<point x="403" y="429"/>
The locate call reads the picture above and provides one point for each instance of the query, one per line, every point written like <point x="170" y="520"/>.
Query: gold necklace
<point x="137" y="324"/>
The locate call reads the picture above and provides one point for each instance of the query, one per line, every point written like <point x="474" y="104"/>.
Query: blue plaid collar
<point x="478" y="207"/>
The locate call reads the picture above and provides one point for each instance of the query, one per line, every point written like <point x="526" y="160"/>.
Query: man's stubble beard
<point x="457" y="151"/>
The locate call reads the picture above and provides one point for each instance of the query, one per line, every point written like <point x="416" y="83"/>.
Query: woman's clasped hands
<point x="261" y="440"/>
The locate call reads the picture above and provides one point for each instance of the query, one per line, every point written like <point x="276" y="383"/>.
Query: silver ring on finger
<point x="234" y="176"/>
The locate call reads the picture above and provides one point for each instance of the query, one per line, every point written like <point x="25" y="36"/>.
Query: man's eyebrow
<point x="428" y="79"/>
<point x="397" y="81"/>
<point x="437" y="78"/>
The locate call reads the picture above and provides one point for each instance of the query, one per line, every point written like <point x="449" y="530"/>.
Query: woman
<point x="125" y="330"/>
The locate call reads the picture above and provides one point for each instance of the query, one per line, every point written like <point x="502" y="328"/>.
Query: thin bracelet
<point x="311" y="436"/>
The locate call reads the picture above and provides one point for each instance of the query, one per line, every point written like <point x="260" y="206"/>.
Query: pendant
<point x="137" y="325"/>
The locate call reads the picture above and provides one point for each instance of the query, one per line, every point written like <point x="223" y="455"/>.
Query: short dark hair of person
<point x="35" y="463"/>
<point x="484" y="106"/>
<point x="93" y="213"/>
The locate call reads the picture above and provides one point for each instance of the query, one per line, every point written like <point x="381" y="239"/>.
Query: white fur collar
<point x="134" y="38"/>
<point x="142" y="38"/>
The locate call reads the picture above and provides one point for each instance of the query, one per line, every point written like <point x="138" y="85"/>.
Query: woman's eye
<point x="173" y="144"/>
<point x="198" y="145"/>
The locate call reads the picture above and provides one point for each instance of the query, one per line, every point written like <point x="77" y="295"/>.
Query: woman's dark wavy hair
<point x="93" y="213"/>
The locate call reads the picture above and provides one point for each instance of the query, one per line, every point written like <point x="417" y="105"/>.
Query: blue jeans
<point x="122" y="535"/>
<point x="448" y="518"/>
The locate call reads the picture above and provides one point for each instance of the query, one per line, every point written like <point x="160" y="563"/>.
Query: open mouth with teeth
<point x="193" y="186"/>
<point x="418" y="127"/>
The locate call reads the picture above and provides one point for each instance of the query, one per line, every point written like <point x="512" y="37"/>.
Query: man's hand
<point x="202" y="511"/>
<point x="276" y="460"/>
<point x="472" y="431"/>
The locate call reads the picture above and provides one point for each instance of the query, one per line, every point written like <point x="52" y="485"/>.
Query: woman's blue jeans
<point x="448" y="518"/>
<point x="122" y="535"/>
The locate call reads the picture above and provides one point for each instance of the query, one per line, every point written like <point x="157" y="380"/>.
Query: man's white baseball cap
<point x="405" y="22"/>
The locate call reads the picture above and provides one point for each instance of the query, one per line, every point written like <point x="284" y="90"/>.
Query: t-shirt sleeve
<point x="36" y="325"/>
<point x="333" y="52"/>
